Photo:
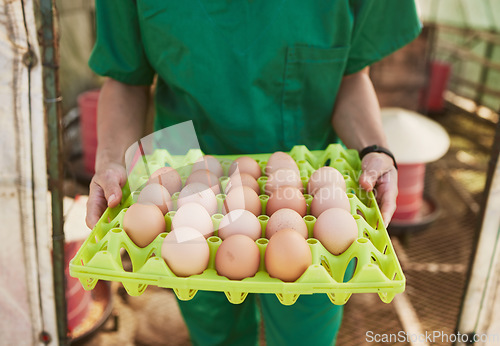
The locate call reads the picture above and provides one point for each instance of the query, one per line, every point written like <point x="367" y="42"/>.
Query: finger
<point x="388" y="188"/>
<point x="388" y="209"/>
<point x="374" y="165"/>
<point x="110" y="181"/>
<point x="96" y="204"/>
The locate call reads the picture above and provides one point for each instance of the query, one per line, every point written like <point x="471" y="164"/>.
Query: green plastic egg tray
<point x="377" y="267"/>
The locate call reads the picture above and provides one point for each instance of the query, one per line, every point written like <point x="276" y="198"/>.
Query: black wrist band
<point x="376" y="149"/>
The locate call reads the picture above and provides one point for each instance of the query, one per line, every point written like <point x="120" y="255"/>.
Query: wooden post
<point x="480" y="313"/>
<point x="53" y="112"/>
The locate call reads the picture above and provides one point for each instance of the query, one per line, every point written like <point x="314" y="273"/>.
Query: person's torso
<point x="253" y="75"/>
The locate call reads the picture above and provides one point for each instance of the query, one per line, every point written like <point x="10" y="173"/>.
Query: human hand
<point x="105" y="191"/>
<point x="378" y="172"/>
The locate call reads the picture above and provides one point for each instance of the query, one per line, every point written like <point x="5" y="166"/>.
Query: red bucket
<point x="433" y="96"/>
<point x="411" y="191"/>
<point x="78" y="300"/>
<point x="87" y="105"/>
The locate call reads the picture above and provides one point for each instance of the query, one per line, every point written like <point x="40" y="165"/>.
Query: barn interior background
<point x="450" y="253"/>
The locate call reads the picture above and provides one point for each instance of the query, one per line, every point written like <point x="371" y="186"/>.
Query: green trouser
<point x="312" y="320"/>
<point x="212" y="320"/>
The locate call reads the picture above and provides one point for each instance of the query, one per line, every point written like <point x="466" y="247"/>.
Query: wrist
<point x="377" y="149"/>
<point x="107" y="160"/>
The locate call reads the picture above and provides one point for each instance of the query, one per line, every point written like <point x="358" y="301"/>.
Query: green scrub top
<point x="253" y="75"/>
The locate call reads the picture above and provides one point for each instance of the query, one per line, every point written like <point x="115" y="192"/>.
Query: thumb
<point x="111" y="183"/>
<point x="368" y="179"/>
<point x="374" y="165"/>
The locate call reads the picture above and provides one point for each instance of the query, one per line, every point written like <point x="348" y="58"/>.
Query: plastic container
<point x="377" y="267"/>
<point x="87" y="104"/>
<point x="411" y="191"/>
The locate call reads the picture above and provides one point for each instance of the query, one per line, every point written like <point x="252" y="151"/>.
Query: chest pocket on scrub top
<point x="311" y="82"/>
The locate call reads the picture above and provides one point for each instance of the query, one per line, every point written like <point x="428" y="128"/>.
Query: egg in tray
<point x="287" y="224"/>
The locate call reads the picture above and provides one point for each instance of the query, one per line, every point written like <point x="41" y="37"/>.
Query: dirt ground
<point x="150" y="319"/>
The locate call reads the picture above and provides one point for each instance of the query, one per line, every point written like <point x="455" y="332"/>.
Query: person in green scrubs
<point x="254" y="76"/>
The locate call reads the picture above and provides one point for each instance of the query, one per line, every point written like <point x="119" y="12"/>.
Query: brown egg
<point x="198" y="193"/>
<point x="287" y="255"/>
<point x="158" y="195"/>
<point x="283" y="177"/>
<point x="238" y="257"/>
<point x="185" y="251"/>
<point x="240" y="221"/>
<point x="287" y="197"/>
<point x="280" y="160"/>
<point x="143" y="223"/>
<point x="325" y="176"/>
<point x="168" y="177"/>
<point x="329" y="196"/>
<point x="286" y="218"/>
<point x="210" y="163"/>
<point x="195" y="216"/>
<point x="246" y="165"/>
<point x="243" y="197"/>
<point x="205" y="177"/>
<point x="243" y="179"/>
<point x="336" y="229"/>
